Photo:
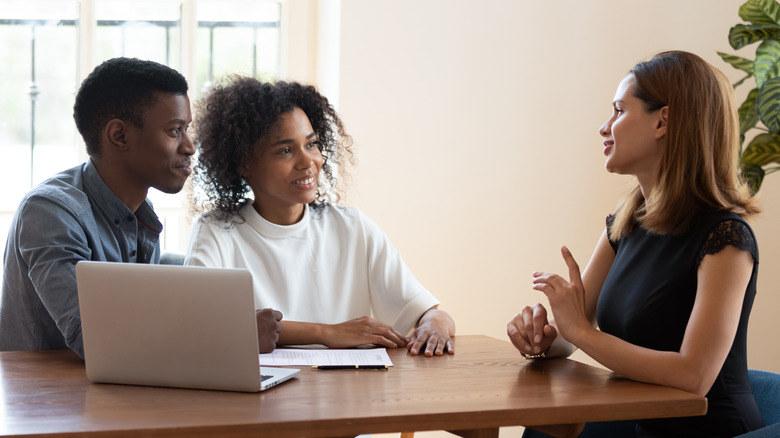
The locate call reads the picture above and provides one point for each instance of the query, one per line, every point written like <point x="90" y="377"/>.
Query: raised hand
<point x="567" y="298"/>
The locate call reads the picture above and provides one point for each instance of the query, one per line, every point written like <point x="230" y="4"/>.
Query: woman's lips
<point x="305" y="183"/>
<point x="608" y="147"/>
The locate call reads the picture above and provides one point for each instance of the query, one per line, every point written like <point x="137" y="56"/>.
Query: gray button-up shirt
<point x="71" y="217"/>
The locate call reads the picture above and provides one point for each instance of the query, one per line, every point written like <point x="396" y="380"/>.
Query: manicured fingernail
<point x="537" y="350"/>
<point x="538" y="339"/>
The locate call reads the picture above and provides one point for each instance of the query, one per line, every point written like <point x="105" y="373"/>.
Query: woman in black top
<point x="673" y="277"/>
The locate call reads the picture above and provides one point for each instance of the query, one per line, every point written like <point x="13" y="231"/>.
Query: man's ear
<point x="115" y="134"/>
<point x="662" y="123"/>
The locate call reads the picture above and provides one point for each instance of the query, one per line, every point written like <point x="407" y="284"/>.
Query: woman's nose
<point x="604" y="130"/>
<point x="307" y="159"/>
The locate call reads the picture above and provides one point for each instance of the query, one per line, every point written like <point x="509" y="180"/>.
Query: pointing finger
<point x="574" y="268"/>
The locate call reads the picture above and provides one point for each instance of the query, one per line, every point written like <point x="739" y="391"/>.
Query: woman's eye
<point x="314" y="144"/>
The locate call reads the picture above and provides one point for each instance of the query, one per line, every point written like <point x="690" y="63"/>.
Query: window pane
<point x="256" y="11"/>
<point x="138" y="29"/>
<point x="56" y="139"/>
<point x="239" y="37"/>
<point x="37" y="84"/>
<point x="268" y="47"/>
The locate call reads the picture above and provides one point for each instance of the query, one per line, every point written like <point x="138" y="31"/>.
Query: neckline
<point x="270" y="229"/>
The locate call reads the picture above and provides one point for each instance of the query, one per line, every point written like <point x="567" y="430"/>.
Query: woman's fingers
<point x="574" y="269"/>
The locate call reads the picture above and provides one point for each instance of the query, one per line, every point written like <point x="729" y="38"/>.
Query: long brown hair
<point x="699" y="168"/>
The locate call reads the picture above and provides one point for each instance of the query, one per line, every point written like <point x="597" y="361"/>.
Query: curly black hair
<point x="235" y="114"/>
<point x="121" y="88"/>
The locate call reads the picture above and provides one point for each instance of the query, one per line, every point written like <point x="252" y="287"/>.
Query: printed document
<point x="322" y="357"/>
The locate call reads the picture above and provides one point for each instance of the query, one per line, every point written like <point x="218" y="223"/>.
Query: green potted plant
<point x="762" y="154"/>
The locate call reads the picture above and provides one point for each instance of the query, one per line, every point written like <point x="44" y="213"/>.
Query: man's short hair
<point x="121" y="88"/>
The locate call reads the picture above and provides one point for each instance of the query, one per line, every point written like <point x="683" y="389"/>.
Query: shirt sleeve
<point x="203" y="248"/>
<point x="729" y="232"/>
<point x="397" y="296"/>
<point x="51" y="241"/>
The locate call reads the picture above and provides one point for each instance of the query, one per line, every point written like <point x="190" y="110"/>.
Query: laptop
<point x="173" y="326"/>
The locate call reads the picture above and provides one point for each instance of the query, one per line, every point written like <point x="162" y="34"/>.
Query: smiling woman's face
<point x="284" y="172"/>
<point x="633" y="137"/>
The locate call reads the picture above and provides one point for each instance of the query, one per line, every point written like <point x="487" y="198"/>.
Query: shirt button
<point x="130" y="218"/>
<point x="117" y="221"/>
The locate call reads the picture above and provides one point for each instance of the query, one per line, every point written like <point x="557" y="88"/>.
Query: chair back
<point x="171" y="258"/>
<point x="766" y="391"/>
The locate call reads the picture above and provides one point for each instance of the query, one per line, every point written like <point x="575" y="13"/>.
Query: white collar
<point x="270" y="229"/>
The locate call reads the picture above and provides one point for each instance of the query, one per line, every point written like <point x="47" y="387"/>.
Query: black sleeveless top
<point x="647" y="299"/>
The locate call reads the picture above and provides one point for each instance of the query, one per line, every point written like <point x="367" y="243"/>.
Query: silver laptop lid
<point x="177" y="326"/>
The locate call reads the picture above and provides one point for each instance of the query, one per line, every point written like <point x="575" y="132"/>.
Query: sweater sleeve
<point x="204" y="247"/>
<point x="397" y="297"/>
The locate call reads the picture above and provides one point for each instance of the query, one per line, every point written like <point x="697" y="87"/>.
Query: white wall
<point x="476" y="125"/>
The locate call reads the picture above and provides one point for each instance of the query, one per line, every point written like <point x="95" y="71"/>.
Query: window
<point x="48" y="46"/>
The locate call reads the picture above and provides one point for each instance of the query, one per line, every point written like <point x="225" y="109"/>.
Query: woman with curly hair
<point x="267" y="172"/>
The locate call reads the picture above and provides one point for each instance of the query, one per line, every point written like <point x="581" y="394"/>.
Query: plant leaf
<point x="762" y="150"/>
<point x="738" y="62"/>
<point x="767" y="64"/>
<point x="739" y="82"/>
<point x="742" y="34"/>
<point x="760" y="12"/>
<point x="747" y="112"/>
<point x="768" y="104"/>
<point x="753" y="176"/>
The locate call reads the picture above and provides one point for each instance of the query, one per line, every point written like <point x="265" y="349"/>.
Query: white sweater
<point x="334" y="265"/>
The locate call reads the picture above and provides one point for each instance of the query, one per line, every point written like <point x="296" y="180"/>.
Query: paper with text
<point x="295" y="356"/>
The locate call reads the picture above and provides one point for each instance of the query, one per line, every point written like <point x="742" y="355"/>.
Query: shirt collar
<point x="112" y="206"/>
<point x="270" y="229"/>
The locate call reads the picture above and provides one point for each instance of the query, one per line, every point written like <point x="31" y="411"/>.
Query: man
<point x="133" y="116"/>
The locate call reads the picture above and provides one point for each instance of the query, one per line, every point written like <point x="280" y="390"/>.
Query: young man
<point x="133" y="116"/>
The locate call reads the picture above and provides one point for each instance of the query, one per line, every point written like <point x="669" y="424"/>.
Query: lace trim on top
<point x="729" y="232"/>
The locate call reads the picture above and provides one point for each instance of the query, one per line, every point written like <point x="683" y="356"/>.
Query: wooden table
<point x="484" y="386"/>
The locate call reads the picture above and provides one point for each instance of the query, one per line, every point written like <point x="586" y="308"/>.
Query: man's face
<point x="160" y="150"/>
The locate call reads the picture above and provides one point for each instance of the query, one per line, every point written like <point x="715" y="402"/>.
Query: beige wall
<point x="476" y="131"/>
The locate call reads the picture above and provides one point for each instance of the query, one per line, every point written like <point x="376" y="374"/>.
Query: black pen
<point x="350" y="367"/>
